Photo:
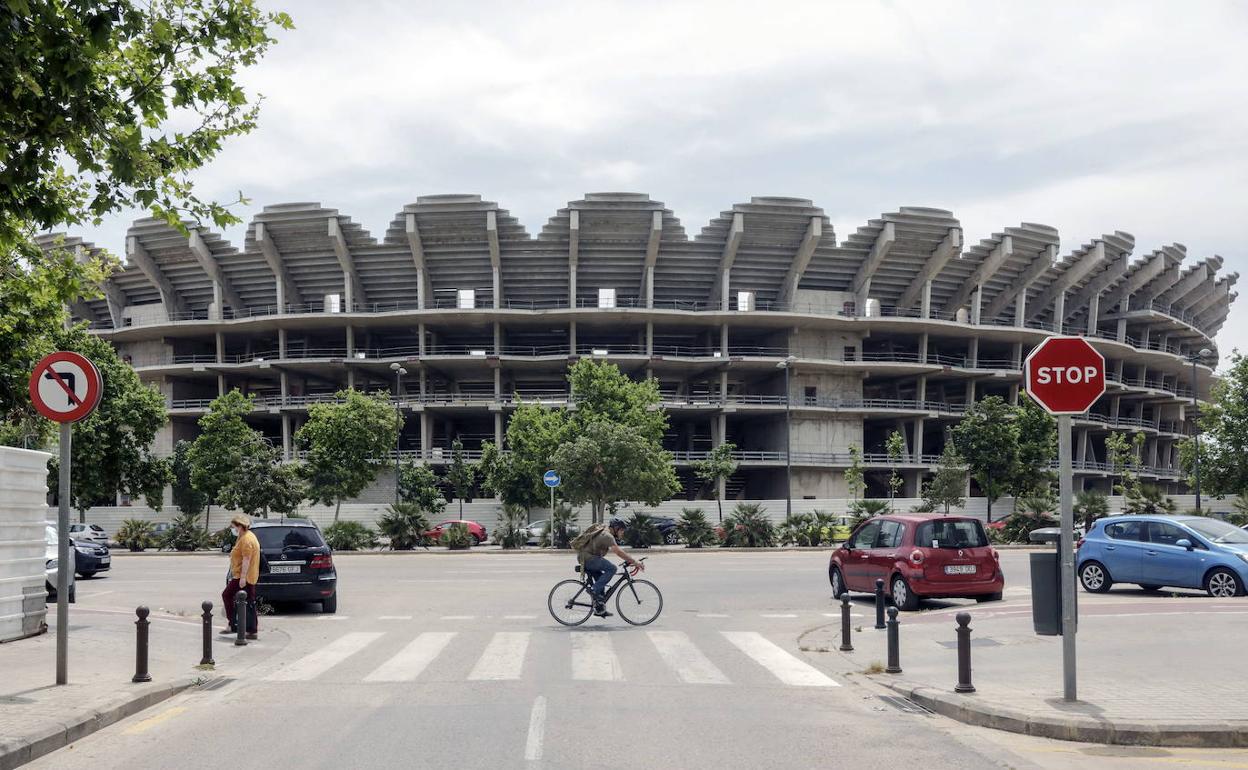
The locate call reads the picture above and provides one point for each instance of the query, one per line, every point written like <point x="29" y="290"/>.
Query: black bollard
<point x="846" y="644"/>
<point x="140" y="649"/>
<point x="240" y="617"/>
<point x="964" y="653"/>
<point x="894" y="644"/>
<point x="879" y="603"/>
<point x="207" y="659"/>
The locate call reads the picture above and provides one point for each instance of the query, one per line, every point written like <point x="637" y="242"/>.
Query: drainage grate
<point x="217" y="684"/>
<point x="905" y="705"/>
<point x="981" y="641"/>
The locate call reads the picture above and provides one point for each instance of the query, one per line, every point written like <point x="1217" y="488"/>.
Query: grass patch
<point x="876" y="667"/>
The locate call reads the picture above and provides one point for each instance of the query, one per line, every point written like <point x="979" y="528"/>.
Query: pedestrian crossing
<point x="642" y="657"/>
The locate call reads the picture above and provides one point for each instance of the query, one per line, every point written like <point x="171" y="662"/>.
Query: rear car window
<point x="274" y="538"/>
<point x="951" y="533"/>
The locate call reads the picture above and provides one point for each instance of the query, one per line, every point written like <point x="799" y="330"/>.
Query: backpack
<point x="582" y="540"/>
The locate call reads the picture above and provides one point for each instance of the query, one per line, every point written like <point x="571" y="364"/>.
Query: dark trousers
<point x="227" y="600"/>
<point x="602" y="570"/>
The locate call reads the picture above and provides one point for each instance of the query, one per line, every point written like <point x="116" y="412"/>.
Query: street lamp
<point x="399" y="371"/>
<point x="787" y="364"/>
<point x="1203" y="353"/>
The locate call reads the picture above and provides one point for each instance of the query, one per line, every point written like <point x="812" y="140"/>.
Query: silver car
<point x="93" y="532"/>
<point x="50" y="556"/>
<point x="537" y="528"/>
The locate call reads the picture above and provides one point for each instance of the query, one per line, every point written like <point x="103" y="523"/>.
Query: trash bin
<point x="1046" y="584"/>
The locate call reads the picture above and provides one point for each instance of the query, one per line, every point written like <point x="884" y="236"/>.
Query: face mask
<point x="234" y="530"/>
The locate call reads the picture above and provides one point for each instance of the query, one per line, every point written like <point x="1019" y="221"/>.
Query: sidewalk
<point x="1165" y="673"/>
<point x="37" y="717"/>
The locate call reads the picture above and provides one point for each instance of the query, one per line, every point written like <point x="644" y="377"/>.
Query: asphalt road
<point x="454" y="661"/>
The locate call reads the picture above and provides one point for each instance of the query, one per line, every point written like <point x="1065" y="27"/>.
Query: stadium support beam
<point x="806" y="250"/>
<point x="1055" y="293"/>
<point x="1090" y="295"/>
<point x="173" y="303"/>
<point x="418" y="259"/>
<point x="287" y="291"/>
<point x="1016" y="292"/>
<point x="351" y="285"/>
<point x="861" y="286"/>
<point x="574" y="253"/>
<point x="920" y="288"/>
<point x="496" y="270"/>
<point x="114" y="297"/>
<point x="1219" y="294"/>
<point x="652" y="256"/>
<point x="1200" y="273"/>
<point x="1160" y="285"/>
<point x="1120" y="299"/>
<point x="984" y="272"/>
<point x="222" y="287"/>
<point x="720" y="290"/>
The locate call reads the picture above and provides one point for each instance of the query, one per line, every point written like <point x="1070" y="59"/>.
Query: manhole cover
<point x="217" y="684"/>
<point x="982" y="641"/>
<point x="904" y="705"/>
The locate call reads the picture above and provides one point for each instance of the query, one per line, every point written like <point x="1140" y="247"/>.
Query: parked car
<point x="91" y="557"/>
<point x="1156" y="551"/>
<point x="159" y="531"/>
<point x="300" y="563"/>
<point x="93" y="532"/>
<point x="51" y="562"/>
<point x="667" y="528"/>
<point x="476" y="530"/>
<point x="918" y="556"/>
<point x="536" y="528"/>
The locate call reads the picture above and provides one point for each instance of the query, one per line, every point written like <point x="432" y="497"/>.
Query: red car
<point x="918" y="556"/>
<point x="476" y="530"/>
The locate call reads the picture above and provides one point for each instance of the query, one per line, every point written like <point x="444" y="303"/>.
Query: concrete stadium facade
<point x="897" y="327"/>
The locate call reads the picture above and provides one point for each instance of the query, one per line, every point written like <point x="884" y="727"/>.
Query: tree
<point x="853" y="474"/>
<point x="1148" y="500"/>
<point x="534" y="432"/>
<point x="1090" y="506"/>
<point x="218" y="451"/>
<point x="111" y="448"/>
<point x="946" y="487"/>
<point x="418" y="486"/>
<point x="1124" y="459"/>
<point x="987" y="439"/>
<point x="344" y="440"/>
<point x="186" y="495"/>
<point x="717" y="465"/>
<point x="896" y="448"/>
<point x="460" y="475"/>
<point x="608" y="462"/>
<point x="602" y="392"/>
<point x="1224" y="440"/>
<point x="1037" y="447"/>
<point x="261" y="483"/>
<point x="109" y="104"/>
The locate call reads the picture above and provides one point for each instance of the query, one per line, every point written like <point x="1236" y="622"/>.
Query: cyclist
<point x="592" y="548"/>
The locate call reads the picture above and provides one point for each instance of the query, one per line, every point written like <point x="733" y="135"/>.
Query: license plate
<point x="960" y="569"/>
<point x="106" y="559"/>
<point x="284" y="569"/>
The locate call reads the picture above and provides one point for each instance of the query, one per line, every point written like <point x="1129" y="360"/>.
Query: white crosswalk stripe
<point x="503" y="657"/>
<point x="787" y="668"/>
<point x="317" y="663"/>
<point x="412" y="659"/>
<point x="683" y="657"/>
<point x="593" y="657"/>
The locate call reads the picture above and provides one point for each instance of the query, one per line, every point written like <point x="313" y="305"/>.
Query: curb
<point x="488" y="550"/>
<point x="966" y="709"/>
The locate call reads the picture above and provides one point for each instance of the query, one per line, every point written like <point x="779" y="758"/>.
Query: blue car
<point x="1156" y="551"/>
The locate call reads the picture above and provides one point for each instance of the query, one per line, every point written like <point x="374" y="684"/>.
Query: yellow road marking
<point x="151" y="722"/>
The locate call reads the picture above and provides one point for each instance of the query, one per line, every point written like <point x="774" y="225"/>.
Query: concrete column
<point x="220" y="340"/>
<point x="572" y="338"/>
<point x="218" y="295"/>
<point x="923" y="348"/>
<point x="1081" y="444"/>
<point x="284" y="379"/>
<point x="649" y="338"/>
<point x="498" y="384"/>
<point x="498" y="287"/>
<point x="970" y="392"/>
<point x="649" y="287"/>
<point x="1017" y="355"/>
<point x="350" y="342"/>
<point x="927" y="299"/>
<point x="723" y="387"/>
<point x="921" y="388"/>
<point x="1115" y="404"/>
<point x="420" y="339"/>
<point x="498" y="429"/>
<point x="351" y="378"/>
<point x="423" y="380"/>
<point x="725" y="282"/>
<point x="1059" y="311"/>
<point x="1020" y="308"/>
<point x="918" y="440"/>
<point x="281" y="343"/>
<point x="1014" y="394"/>
<point x="1122" y="330"/>
<point x="1094" y="313"/>
<point x="972" y="352"/>
<point x="220" y="384"/>
<point x="977" y="303"/>
<point x="285" y="436"/>
<point x="425" y="433"/>
<point x="498" y="338"/>
<point x="723" y="340"/>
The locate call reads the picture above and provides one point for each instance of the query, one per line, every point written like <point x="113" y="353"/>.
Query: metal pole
<point x="1195" y="435"/>
<point x="62" y="559"/>
<point x="240" y="617"/>
<point x="398" y="421"/>
<point x="1067" y="489"/>
<point x="140" y="646"/>
<point x="879" y="603"/>
<point x="846" y="644"/>
<point x="554" y="533"/>
<point x="207" y="660"/>
<point x="894" y="644"/>
<point x="788" y="448"/>
<point x="964" y="653"/>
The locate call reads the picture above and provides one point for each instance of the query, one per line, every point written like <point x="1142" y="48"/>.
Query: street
<point x="438" y="660"/>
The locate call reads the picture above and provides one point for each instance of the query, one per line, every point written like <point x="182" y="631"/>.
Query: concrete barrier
<point x="23" y="513"/>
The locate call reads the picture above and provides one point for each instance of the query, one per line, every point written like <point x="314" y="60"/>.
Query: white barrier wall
<point x="23" y="511"/>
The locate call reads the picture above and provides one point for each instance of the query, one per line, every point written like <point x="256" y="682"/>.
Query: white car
<point x="93" y="532"/>
<point x="51" y="563"/>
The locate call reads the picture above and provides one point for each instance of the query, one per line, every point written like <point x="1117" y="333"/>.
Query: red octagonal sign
<point x="1065" y="375"/>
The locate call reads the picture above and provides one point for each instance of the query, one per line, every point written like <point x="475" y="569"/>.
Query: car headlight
<point x="83" y="549"/>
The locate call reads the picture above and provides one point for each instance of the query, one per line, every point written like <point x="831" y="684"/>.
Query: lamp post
<point x="1203" y="353"/>
<point x="787" y="364"/>
<point x="399" y="371"/>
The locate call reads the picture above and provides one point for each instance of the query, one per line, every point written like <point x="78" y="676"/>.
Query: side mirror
<point x="1185" y="543"/>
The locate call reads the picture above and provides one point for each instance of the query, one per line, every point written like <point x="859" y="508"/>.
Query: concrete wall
<point x="23" y="511"/>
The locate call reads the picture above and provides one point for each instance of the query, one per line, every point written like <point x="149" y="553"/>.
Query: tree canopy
<point x="343" y="441"/>
<point x="225" y="439"/>
<point x="608" y="462"/>
<point x="717" y="465"/>
<point x="262" y="484"/>
<point x="460" y="475"/>
<point x="1224" y="439"/>
<point x="946" y="488"/>
<point x="987" y="439"/>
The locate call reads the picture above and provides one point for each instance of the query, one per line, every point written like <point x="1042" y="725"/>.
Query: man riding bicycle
<point x="591" y="551"/>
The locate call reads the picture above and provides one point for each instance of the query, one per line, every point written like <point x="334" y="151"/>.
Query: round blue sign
<point x="551" y="479"/>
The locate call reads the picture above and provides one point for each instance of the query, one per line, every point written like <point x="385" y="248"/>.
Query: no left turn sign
<point x="65" y="386"/>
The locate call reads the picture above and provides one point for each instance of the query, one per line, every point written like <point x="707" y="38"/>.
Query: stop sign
<point x="1065" y="375"/>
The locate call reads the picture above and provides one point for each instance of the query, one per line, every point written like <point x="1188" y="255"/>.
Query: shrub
<point x="1239" y="516"/>
<point x="563" y="518"/>
<point x="135" y="534"/>
<point x="1019" y="525"/>
<point x="800" y="529"/>
<point x="457" y="537"/>
<point x="223" y="538"/>
<point x="403" y="524"/>
<point x="748" y="527"/>
<point x="641" y="531"/>
<point x="349" y="536"/>
<point x="694" y="529"/>
<point x="185" y="534"/>
<point x="513" y="530"/>
<point x="863" y="509"/>
<point x="1149" y="500"/>
<point x="1090" y="506"/>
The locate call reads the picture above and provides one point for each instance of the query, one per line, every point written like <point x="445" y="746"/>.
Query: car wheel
<point x="329" y="605"/>
<point x="672" y="537"/>
<point x="838" y="585"/>
<point x="903" y="598"/>
<point x="1094" y="577"/>
<point x="1150" y="588"/>
<point x="989" y="598"/>
<point x="1222" y="583"/>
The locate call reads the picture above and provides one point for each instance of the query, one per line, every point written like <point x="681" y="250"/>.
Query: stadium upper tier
<point x="624" y="251"/>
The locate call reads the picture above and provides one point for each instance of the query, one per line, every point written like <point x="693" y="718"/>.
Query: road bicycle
<point x="638" y="602"/>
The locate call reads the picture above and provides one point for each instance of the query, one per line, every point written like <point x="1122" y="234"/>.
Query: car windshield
<point x="951" y="533"/>
<point x="1219" y="531"/>
<point x="273" y="538"/>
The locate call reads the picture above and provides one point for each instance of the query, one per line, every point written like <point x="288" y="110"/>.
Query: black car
<point x="300" y="563"/>
<point x="667" y="528"/>
<point x="91" y="558"/>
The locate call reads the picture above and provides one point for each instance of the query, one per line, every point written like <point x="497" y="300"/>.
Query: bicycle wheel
<point x="569" y="602"/>
<point x="639" y="602"/>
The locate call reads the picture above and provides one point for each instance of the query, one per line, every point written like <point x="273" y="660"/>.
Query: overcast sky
<point x="1090" y="117"/>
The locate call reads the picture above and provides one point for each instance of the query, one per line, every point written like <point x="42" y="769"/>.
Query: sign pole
<point x="1066" y="487"/>
<point x="62" y="559"/>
